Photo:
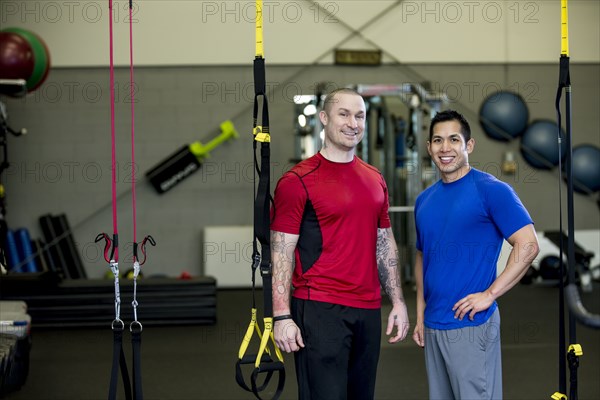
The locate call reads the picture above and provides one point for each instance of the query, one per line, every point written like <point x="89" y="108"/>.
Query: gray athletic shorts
<point x="465" y="363"/>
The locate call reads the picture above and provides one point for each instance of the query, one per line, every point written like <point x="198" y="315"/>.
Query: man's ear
<point x="470" y="145"/>
<point x="323" y="117"/>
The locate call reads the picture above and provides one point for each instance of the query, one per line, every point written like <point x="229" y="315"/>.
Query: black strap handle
<point x="269" y="368"/>
<point x="239" y="375"/>
<point x="119" y="361"/>
<point x="136" y="343"/>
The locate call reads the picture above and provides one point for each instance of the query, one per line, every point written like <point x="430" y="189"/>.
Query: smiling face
<point x="343" y="119"/>
<point x="449" y="151"/>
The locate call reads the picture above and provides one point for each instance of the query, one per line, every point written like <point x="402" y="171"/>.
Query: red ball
<point x="185" y="275"/>
<point x="16" y="57"/>
<point x="38" y="53"/>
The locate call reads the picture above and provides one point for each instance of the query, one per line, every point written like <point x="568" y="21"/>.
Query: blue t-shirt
<point x="460" y="229"/>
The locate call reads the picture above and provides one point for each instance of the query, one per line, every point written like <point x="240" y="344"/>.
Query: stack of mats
<point x="91" y="302"/>
<point x="15" y="345"/>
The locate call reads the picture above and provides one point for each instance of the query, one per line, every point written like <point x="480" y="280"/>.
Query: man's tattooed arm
<point x="387" y="265"/>
<point x="282" y="256"/>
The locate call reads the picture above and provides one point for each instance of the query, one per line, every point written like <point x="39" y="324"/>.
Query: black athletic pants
<point x="339" y="361"/>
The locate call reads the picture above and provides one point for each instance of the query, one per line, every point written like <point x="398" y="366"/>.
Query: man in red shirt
<point x="332" y="243"/>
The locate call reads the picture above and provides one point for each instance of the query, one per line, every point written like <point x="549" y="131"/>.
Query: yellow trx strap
<point x="260" y="51"/>
<point x="265" y="361"/>
<point x="564" y="28"/>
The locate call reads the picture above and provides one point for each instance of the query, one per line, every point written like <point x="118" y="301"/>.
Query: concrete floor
<point x="197" y="362"/>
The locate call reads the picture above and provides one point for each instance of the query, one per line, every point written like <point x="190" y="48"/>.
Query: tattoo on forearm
<point x="383" y="244"/>
<point x="387" y="265"/>
<point x="281" y="270"/>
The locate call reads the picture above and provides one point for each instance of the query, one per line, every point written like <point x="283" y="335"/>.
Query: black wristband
<point x="282" y="317"/>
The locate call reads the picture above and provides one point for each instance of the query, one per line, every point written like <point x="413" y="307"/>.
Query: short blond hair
<point x="330" y="98"/>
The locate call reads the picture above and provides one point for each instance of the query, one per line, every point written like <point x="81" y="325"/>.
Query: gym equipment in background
<point x="12" y="251"/>
<point x="550" y="266"/>
<point x="90" y="302"/>
<point x="12" y="87"/>
<point x="187" y="160"/>
<point x="544" y="270"/>
<point x="61" y="249"/>
<point x="539" y="144"/>
<point x="504" y="116"/>
<point x="15" y="345"/>
<point x="56" y="255"/>
<point x="550" y="269"/>
<point x="586" y="168"/>
<point x="577" y="308"/>
<point x="16" y="56"/>
<point x="24" y="55"/>
<point x="25" y="249"/>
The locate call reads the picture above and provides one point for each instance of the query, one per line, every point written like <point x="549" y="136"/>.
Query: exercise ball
<point x="586" y="168"/>
<point x="39" y="54"/>
<point x="539" y="144"/>
<point x="16" y="57"/>
<point x="503" y="116"/>
<point x="550" y="268"/>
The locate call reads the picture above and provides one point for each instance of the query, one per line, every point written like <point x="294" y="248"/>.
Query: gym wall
<point x="194" y="32"/>
<point x="194" y="71"/>
<point x="63" y="164"/>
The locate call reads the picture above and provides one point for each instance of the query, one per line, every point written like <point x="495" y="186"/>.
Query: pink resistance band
<point x="132" y="92"/>
<point x="111" y="252"/>
<point x="115" y="249"/>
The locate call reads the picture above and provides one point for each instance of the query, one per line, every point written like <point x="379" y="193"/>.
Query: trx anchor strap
<point x="111" y="247"/>
<point x="265" y="361"/>
<point x="570" y="356"/>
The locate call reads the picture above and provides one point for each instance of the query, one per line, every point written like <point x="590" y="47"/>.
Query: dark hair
<point x="451" y="115"/>
<point x="330" y="98"/>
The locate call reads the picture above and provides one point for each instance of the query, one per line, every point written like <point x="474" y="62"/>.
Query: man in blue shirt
<point x="461" y="223"/>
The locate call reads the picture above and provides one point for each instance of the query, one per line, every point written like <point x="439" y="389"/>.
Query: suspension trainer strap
<point x="135" y="327"/>
<point x="112" y="246"/>
<point x="136" y="345"/>
<point x="563" y="81"/>
<point x="111" y="254"/>
<point x="119" y="360"/>
<point x="265" y="361"/>
<point x="115" y="249"/>
<point x="118" y="326"/>
<point x="570" y="356"/>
